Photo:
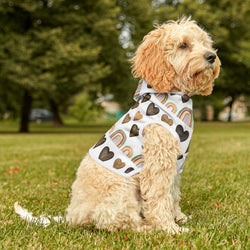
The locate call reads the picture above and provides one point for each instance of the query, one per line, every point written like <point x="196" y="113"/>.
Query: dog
<point x="176" y="61"/>
<point x="130" y="179"/>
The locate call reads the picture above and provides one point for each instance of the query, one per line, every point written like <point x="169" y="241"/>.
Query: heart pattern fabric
<point x="146" y="98"/>
<point x="182" y="134"/>
<point x="126" y="119"/>
<point x="120" y="149"/>
<point x="118" y="164"/>
<point x="136" y="104"/>
<point x="138" y="116"/>
<point x="152" y="110"/>
<point x="134" y="131"/>
<point x="166" y="119"/>
<point x="185" y="98"/>
<point x="106" y="154"/>
<point x="100" y="142"/>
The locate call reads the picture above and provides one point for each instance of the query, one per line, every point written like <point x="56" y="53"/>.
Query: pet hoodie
<point x="120" y="149"/>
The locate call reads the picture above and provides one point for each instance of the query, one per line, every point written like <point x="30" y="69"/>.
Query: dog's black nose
<point x="210" y="57"/>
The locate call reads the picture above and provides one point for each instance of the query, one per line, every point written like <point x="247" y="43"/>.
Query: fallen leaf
<point x="54" y="183"/>
<point x="12" y="171"/>
<point x="217" y="204"/>
<point x="210" y="187"/>
<point x="126" y="238"/>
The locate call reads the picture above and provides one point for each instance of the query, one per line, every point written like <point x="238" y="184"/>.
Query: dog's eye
<point x="183" y="46"/>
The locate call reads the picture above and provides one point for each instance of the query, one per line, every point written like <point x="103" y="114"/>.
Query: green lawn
<point x="38" y="169"/>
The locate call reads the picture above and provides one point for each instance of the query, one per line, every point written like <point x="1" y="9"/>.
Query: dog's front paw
<point x="172" y="228"/>
<point x="182" y="218"/>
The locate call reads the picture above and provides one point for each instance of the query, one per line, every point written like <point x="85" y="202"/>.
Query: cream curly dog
<point x="175" y="61"/>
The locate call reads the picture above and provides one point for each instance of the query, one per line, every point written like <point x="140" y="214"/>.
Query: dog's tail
<point x="41" y="220"/>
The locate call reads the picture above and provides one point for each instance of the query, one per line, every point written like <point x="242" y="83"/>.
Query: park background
<point x="72" y="58"/>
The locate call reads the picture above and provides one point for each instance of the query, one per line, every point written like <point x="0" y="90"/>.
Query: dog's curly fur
<point x="170" y="58"/>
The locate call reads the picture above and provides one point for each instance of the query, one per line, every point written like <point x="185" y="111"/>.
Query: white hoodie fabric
<point x="120" y="149"/>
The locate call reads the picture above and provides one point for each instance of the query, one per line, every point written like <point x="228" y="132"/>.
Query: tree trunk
<point x="25" y="112"/>
<point x="230" y="109"/>
<point x="56" y="116"/>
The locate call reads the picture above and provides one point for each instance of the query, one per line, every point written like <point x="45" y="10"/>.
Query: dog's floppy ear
<point x="150" y="61"/>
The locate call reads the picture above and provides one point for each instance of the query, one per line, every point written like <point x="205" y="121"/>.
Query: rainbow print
<point x="161" y="97"/>
<point x="171" y="106"/>
<point x="127" y="151"/>
<point x="186" y="115"/>
<point x="137" y="92"/>
<point x="118" y="138"/>
<point x="138" y="161"/>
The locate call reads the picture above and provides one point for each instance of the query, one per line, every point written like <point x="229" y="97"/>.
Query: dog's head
<point x="177" y="55"/>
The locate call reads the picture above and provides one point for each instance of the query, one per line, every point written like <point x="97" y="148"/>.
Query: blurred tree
<point x="84" y="109"/>
<point x="133" y="22"/>
<point x="48" y="50"/>
<point x="56" y="49"/>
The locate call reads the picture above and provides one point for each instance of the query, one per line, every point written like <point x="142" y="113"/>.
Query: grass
<point x="38" y="169"/>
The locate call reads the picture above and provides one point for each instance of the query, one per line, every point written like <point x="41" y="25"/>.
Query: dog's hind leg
<point x="104" y="198"/>
<point x="157" y="176"/>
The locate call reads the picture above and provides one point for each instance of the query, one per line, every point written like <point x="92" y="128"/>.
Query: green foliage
<point x="56" y="49"/>
<point x="84" y="109"/>
<point x="53" y="48"/>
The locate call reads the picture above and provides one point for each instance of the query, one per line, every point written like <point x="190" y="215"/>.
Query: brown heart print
<point x="134" y="131"/>
<point x="106" y="154"/>
<point x="179" y="157"/>
<point x="185" y="98"/>
<point x="118" y="164"/>
<point x="136" y="104"/>
<point x="126" y="119"/>
<point x="165" y="118"/>
<point x="152" y="110"/>
<point x="146" y="98"/>
<point x="138" y="116"/>
<point x="100" y="142"/>
<point x="129" y="170"/>
<point x="182" y="134"/>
